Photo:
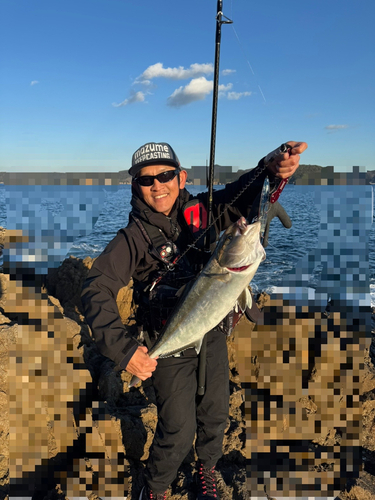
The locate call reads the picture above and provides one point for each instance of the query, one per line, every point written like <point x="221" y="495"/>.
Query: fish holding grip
<point x="279" y="183"/>
<point x="269" y="207"/>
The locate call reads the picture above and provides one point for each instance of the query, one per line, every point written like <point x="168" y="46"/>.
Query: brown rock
<point x="121" y="430"/>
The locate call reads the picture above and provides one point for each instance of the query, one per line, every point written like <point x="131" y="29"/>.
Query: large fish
<point x="221" y="283"/>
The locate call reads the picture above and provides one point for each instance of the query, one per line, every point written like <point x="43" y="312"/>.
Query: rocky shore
<point x="69" y="427"/>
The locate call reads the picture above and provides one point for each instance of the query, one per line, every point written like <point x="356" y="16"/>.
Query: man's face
<point x="161" y="196"/>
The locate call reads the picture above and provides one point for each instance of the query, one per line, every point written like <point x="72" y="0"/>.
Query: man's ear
<point x="183" y="178"/>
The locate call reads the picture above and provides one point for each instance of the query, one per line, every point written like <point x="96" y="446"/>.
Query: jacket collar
<point x="146" y="213"/>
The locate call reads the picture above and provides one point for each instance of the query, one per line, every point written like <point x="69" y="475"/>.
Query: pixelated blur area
<point x="55" y="435"/>
<point x="45" y="219"/>
<point x="301" y="367"/>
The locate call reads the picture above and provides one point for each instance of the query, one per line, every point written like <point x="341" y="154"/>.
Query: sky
<point x="85" y="83"/>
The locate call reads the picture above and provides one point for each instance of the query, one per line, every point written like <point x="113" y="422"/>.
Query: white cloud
<point x="224" y="88"/>
<point x="143" y="82"/>
<point x="336" y="127"/>
<point x="234" y="96"/>
<point x="34" y="82"/>
<point x="135" y="97"/>
<point x="158" y="71"/>
<point x="196" y="90"/>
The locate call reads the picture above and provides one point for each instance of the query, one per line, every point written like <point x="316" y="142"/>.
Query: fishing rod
<point x="210" y="181"/>
<point x="219" y="23"/>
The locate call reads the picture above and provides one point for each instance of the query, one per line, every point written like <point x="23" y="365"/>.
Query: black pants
<point x="181" y="413"/>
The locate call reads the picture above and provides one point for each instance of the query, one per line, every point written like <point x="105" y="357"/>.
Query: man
<point x="165" y="220"/>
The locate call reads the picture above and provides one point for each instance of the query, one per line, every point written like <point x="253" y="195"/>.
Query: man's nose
<point x="156" y="184"/>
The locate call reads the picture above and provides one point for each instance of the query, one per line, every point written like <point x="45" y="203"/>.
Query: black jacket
<point x="127" y="255"/>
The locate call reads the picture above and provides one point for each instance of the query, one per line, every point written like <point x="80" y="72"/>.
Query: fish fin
<point x="134" y="381"/>
<point x="198" y="345"/>
<point x="245" y="300"/>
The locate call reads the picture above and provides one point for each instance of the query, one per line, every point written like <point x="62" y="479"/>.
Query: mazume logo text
<point x="151" y="152"/>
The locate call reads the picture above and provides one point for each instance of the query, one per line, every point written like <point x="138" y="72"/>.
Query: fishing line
<point x="273" y="246"/>
<point x="244" y="53"/>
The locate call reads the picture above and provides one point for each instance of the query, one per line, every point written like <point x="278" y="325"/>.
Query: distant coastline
<point x="305" y="175"/>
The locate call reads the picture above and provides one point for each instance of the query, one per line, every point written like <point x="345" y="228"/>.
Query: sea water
<point x="109" y="211"/>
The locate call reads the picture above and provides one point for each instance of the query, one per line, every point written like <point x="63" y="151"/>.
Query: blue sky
<point x="84" y="83"/>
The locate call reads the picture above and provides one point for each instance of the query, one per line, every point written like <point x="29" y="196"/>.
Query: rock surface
<point x="70" y="426"/>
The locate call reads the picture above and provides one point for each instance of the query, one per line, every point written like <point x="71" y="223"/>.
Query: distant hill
<point x="305" y="172"/>
<point x="304" y="175"/>
<point x="124" y="177"/>
<point x="370" y="176"/>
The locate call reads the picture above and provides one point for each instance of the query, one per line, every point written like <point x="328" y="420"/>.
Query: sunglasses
<point x="148" y="180"/>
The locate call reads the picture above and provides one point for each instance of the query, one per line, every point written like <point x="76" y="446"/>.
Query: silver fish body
<point x="214" y="292"/>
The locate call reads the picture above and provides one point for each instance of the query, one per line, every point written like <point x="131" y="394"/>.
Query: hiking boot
<point x="207" y="484"/>
<point x="146" y="494"/>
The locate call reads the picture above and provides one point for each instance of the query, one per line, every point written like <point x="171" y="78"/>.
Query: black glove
<point x="276" y="210"/>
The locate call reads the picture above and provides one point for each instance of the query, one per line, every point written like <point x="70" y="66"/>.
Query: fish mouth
<point x="238" y="269"/>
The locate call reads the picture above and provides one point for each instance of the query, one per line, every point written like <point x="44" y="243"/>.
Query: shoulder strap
<point x="154" y="237"/>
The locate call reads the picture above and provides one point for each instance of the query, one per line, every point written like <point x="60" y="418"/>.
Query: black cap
<point x="153" y="153"/>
